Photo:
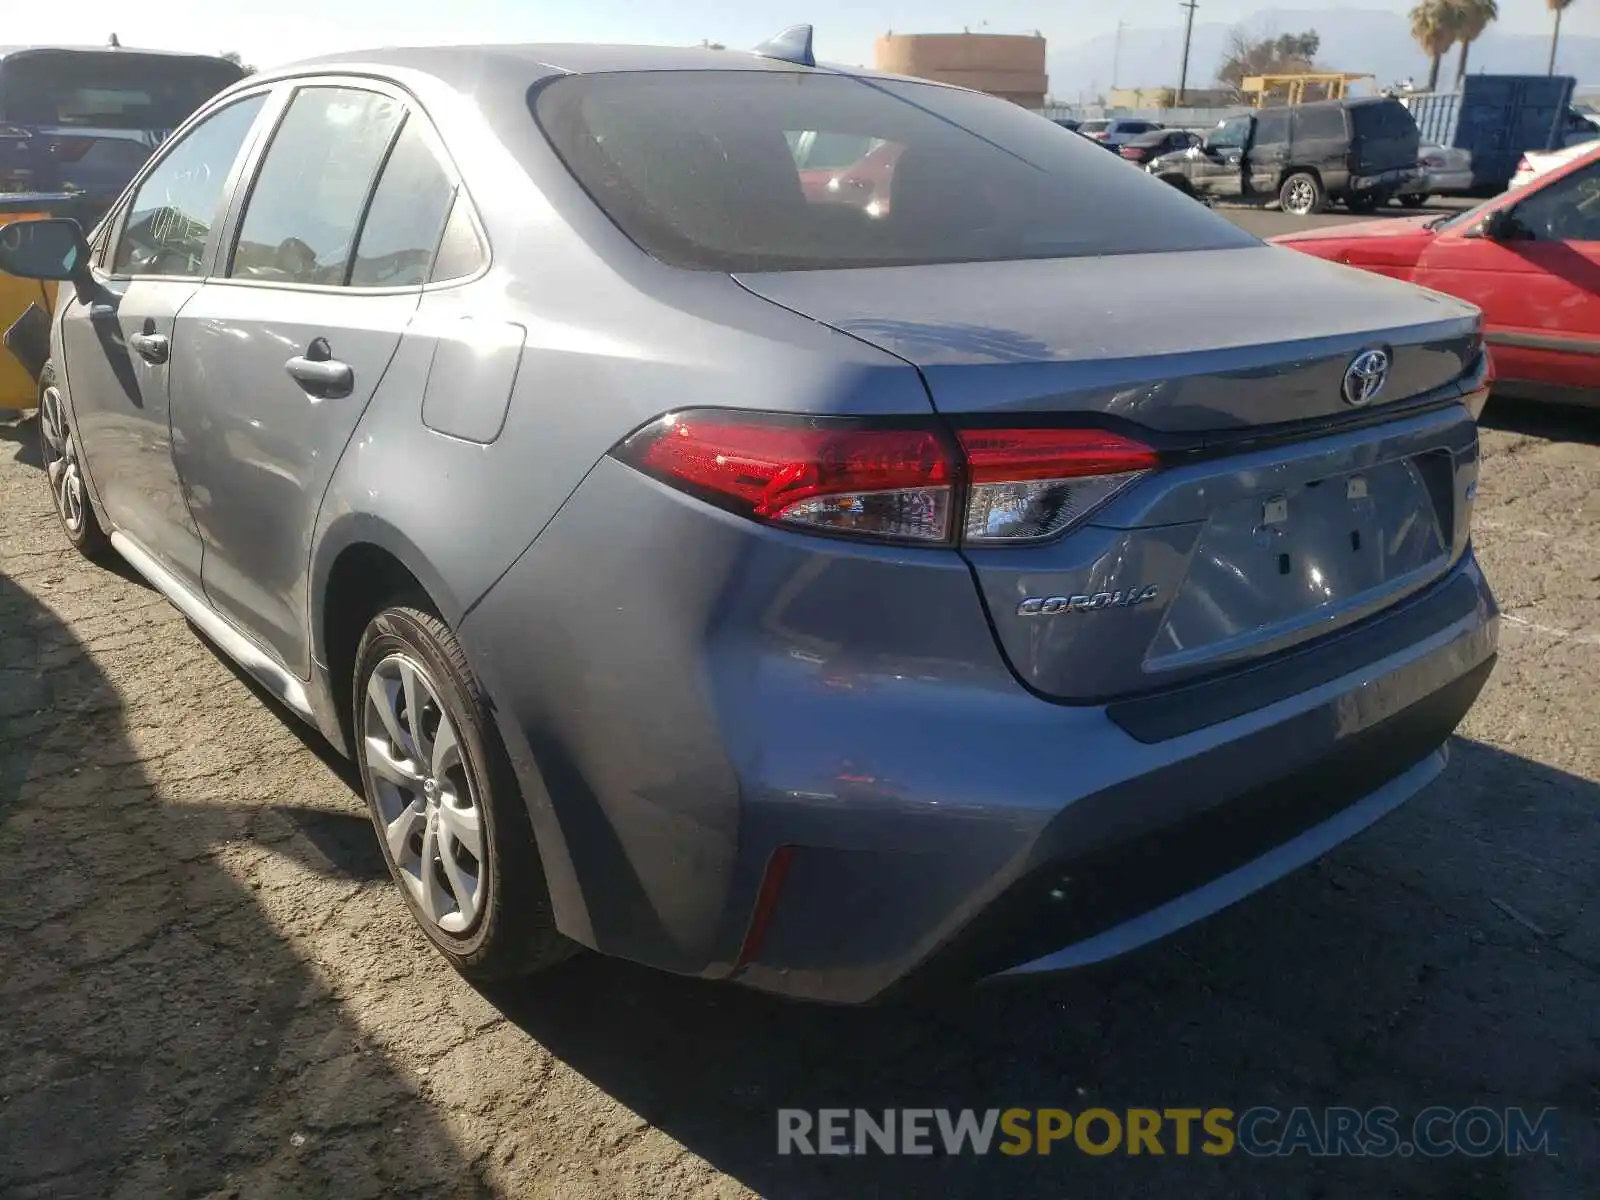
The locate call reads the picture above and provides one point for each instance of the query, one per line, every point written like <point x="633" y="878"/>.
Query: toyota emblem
<point x="1365" y="376"/>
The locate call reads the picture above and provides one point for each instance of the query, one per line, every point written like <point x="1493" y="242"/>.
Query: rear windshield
<point x="1094" y="127"/>
<point x="1386" y="119"/>
<point x="700" y="168"/>
<point x="109" y="90"/>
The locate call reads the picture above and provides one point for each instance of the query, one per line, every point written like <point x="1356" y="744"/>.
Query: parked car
<point x="753" y="587"/>
<point x="1114" y="132"/>
<point x="1362" y="152"/>
<point x="75" y="124"/>
<point x="1066" y="123"/>
<point x="1441" y="170"/>
<point x="1146" y="146"/>
<point x="83" y="120"/>
<point x="1536" y="162"/>
<point x="1526" y="259"/>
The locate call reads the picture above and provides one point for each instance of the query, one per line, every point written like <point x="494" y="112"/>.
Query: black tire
<point x="1302" y="194"/>
<point x="58" y="454"/>
<point x="514" y="932"/>
<point x="1413" y="201"/>
<point x="1362" y="202"/>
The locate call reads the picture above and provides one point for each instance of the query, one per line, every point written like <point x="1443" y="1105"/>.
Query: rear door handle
<point x="152" y="347"/>
<point x="325" y="378"/>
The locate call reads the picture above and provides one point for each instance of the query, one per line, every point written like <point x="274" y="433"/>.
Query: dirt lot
<point x="209" y="988"/>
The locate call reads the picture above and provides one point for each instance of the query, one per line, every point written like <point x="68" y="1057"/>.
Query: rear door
<point x="1320" y="141"/>
<point x="1539" y="291"/>
<point x="286" y="346"/>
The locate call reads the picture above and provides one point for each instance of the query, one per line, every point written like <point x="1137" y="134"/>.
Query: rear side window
<point x="170" y="218"/>
<point x="300" y="223"/>
<point x="1318" y="122"/>
<point x="409" y="207"/>
<point x="1272" y="127"/>
<point x="698" y="168"/>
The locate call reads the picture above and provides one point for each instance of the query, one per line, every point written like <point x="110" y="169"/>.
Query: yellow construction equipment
<point x="1332" y="85"/>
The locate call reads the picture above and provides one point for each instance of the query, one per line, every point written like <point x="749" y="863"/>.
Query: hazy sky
<point x="280" y="30"/>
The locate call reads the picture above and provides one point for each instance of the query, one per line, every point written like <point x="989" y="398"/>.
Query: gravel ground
<point x="210" y="989"/>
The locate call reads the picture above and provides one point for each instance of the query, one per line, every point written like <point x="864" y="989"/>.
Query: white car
<point x="1536" y="162"/>
<point x="1440" y="169"/>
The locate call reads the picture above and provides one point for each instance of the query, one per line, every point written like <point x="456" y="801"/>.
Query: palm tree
<point x="1558" y="7"/>
<point x="1433" y="26"/>
<point x="1473" y="17"/>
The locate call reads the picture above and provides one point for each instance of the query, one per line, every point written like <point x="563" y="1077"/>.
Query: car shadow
<point x="1555" y="422"/>
<point x="23" y="434"/>
<point x="163" y="1036"/>
<point x="1383" y="975"/>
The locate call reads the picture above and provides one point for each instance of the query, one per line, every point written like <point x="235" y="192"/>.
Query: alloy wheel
<point x="430" y="817"/>
<point x="61" y="461"/>
<point x="1301" y="197"/>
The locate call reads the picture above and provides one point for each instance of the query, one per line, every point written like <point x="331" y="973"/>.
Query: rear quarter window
<point x="1319" y="123"/>
<point x="700" y="169"/>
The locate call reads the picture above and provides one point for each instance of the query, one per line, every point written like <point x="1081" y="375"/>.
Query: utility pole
<point x="1188" y="33"/>
<point x="1116" y="55"/>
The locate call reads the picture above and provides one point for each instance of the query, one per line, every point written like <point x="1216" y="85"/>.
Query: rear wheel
<point x="1302" y="194"/>
<point x="63" y="468"/>
<point x="1413" y="201"/>
<point x="1363" y="202"/>
<point x="440" y="790"/>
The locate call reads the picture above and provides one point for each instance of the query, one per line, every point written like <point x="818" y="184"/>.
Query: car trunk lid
<point x="1283" y="513"/>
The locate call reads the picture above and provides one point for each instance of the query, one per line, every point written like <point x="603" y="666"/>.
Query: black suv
<point x="1362" y="152"/>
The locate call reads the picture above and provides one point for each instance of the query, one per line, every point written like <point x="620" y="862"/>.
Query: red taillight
<point x="1028" y="484"/>
<point x="895" y="483"/>
<point x="1131" y="152"/>
<point x="995" y="455"/>
<point x="70" y="149"/>
<point x="906" y="484"/>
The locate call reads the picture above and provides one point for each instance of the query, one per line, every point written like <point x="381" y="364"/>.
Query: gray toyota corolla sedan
<point x="772" y="522"/>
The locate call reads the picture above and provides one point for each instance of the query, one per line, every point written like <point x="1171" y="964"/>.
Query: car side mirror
<point x="46" y="248"/>
<point x="1499" y="226"/>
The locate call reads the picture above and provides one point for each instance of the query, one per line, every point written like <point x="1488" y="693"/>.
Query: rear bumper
<point x="703" y="693"/>
<point x="1399" y="180"/>
<point x="1428" y="182"/>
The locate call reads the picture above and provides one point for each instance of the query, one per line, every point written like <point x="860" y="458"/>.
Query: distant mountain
<point x="1352" y="40"/>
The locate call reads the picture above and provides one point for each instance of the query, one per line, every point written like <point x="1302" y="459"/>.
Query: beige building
<point x="1003" y="65"/>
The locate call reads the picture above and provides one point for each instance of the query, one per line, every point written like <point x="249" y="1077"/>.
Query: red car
<point x="1530" y="259"/>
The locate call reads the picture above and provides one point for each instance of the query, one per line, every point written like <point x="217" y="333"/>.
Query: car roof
<point x="464" y="67"/>
<point x="13" y="51"/>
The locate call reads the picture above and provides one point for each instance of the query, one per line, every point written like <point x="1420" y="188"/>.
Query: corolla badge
<point x="1049" y="606"/>
<point x="1365" y="376"/>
